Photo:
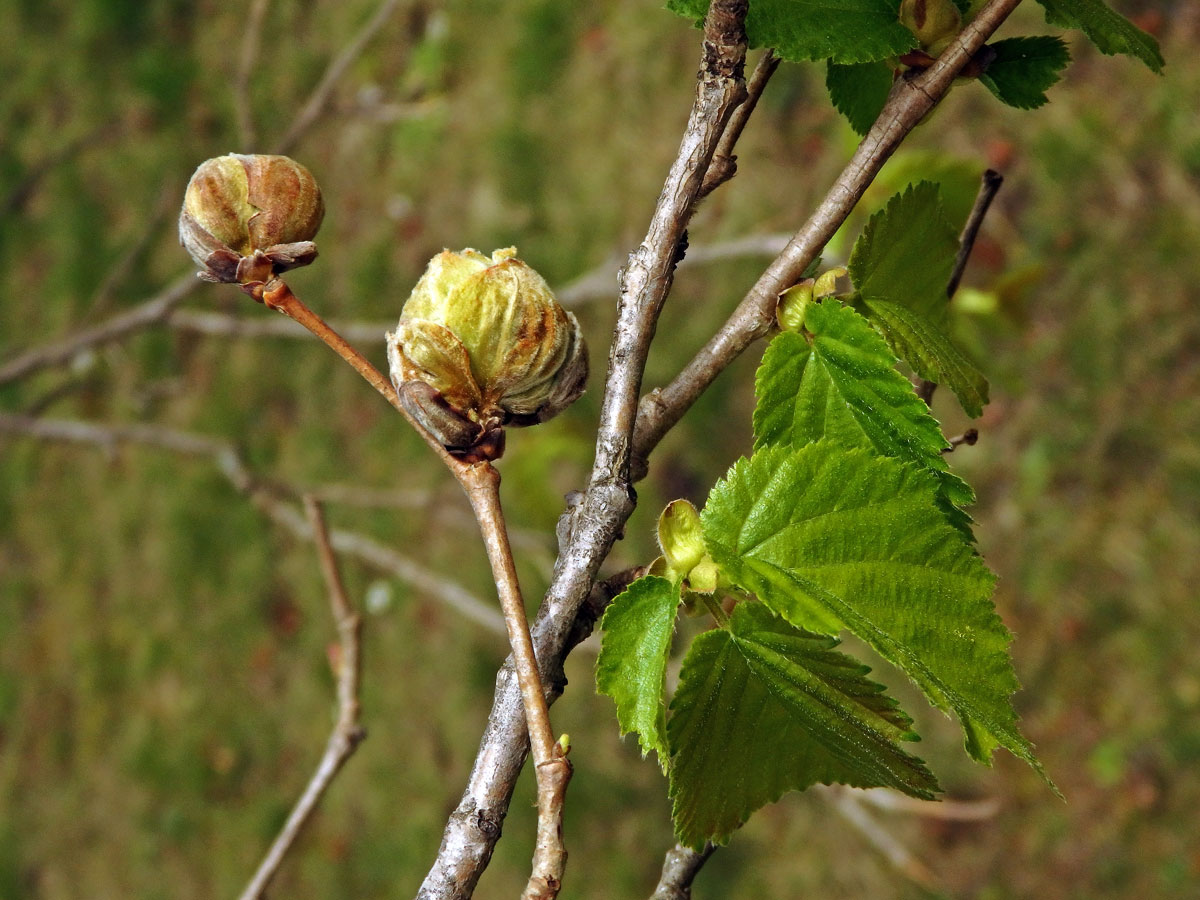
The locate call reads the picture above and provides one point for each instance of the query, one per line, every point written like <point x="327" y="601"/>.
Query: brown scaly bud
<point x="246" y="219"/>
<point x="481" y="344"/>
<point x="934" y="22"/>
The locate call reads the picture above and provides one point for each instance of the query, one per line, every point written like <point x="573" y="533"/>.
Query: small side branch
<point x="911" y="100"/>
<point x="724" y="162"/>
<point x="347" y="732"/>
<point x="151" y="312"/>
<point x="988" y="188"/>
<point x="680" y="867"/>
<point x="243" y="108"/>
<point x="333" y="73"/>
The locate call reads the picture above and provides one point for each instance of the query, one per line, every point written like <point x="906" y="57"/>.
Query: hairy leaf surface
<point x="1110" y="31"/>
<point x="763" y="708"/>
<point x="846" y="31"/>
<point x="832" y="538"/>
<point x="1025" y="68"/>
<point x="632" y="665"/>
<point x="844" y="385"/>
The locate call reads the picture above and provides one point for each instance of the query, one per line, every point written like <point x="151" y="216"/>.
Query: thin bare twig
<point x="900" y="857"/>
<point x="724" y="162"/>
<point x="968" y="437"/>
<point x="151" y="312"/>
<point x="911" y="100"/>
<point x="680" y="867"/>
<point x="595" y="522"/>
<point x="347" y="731"/>
<point x="242" y="107"/>
<point x="988" y="188"/>
<point x="481" y="481"/>
<point x="942" y="810"/>
<point x="337" y="67"/>
<point x="109" y="438"/>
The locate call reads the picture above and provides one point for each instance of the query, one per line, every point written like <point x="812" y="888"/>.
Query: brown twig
<point x="242" y="107"/>
<point x="988" y="188"/>
<point x="337" y="67"/>
<point x="968" y="437"/>
<point x="724" y="162"/>
<point x="278" y="296"/>
<point x="481" y="481"/>
<point x="680" y="867"/>
<point x="911" y="100"/>
<point x="151" y="312"/>
<point x="596" y="521"/>
<point x="347" y="731"/>
<point x="266" y="498"/>
<point x="900" y="857"/>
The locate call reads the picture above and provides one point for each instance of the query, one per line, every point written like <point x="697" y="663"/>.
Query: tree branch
<point x="242" y="107"/>
<point x="911" y="100"/>
<point x="151" y="312"/>
<point x="337" y="67"/>
<point x="347" y="731"/>
<point x="680" y="867"/>
<point x="265" y="497"/>
<point x="595" y="522"/>
<point x="724" y="162"/>
<point x="988" y="188"/>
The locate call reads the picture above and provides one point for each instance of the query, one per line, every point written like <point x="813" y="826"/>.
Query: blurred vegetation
<point x="164" y="683"/>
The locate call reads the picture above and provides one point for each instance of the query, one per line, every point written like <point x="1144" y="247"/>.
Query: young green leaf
<point x="833" y="538"/>
<point x="1024" y="68"/>
<point x="906" y="252"/>
<point x="1110" y="31"/>
<point x="858" y="91"/>
<point x="930" y="351"/>
<point x="632" y="666"/>
<point x="844" y="385"/>
<point x="846" y="31"/>
<point x="763" y="708"/>
<point x="900" y="266"/>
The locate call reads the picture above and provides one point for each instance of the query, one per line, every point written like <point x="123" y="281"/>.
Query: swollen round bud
<point x="246" y="219"/>
<point x="934" y="22"/>
<point x="481" y="344"/>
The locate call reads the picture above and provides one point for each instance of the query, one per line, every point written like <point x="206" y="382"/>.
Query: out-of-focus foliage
<point x="164" y="686"/>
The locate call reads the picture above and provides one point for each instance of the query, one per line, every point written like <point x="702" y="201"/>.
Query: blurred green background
<point x="165" y="687"/>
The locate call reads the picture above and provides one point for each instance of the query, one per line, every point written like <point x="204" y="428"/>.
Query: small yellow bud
<point x="481" y="344"/>
<point x="246" y="219"/>
<point x="934" y="22"/>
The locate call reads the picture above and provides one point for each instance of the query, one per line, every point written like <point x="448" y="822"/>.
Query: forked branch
<point x="347" y="732"/>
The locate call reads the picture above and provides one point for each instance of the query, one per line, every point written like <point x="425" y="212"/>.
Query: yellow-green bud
<point x="246" y="219"/>
<point x="680" y="536"/>
<point x="793" y="303"/>
<point x="481" y="344"/>
<point x="934" y="22"/>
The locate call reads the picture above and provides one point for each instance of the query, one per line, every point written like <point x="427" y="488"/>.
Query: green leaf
<point x="928" y="348"/>
<point x="900" y="266"/>
<point x="833" y="538"/>
<point x="844" y="386"/>
<point x="764" y="708"/>
<point x="1024" y="68"/>
<point x="906" y="252"/>
<point x="846" y="31"/>
<point x="632" y="665"/>
<point x="1110" y="31"/>
<point x="858" y="91"/>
